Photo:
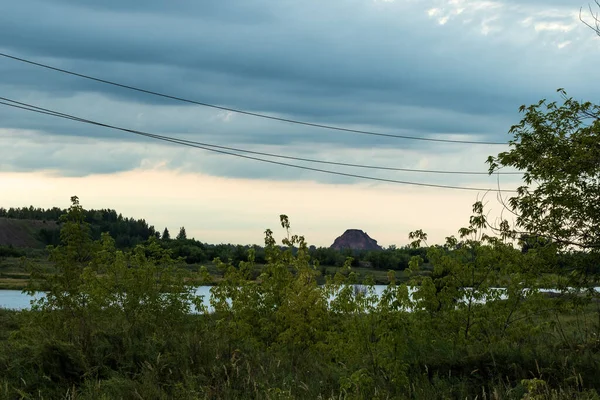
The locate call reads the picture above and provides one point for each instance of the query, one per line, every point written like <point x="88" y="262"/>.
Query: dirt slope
<point x="355" y="239"/>
<point x="23" y="232"/>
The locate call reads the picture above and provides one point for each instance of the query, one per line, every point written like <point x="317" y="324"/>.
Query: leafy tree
<point x="166" y="235"/>
<point x="529" y="242"/>
<point x="49" y="236"/>
<point x="558" y="149"/>
<point x="10" y="251"/>
<point x="181" y="235"/>
<point x="105" y="310"/>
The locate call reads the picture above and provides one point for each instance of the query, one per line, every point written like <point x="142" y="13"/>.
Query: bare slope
<point x="355" y="239"/>
<point x="23" y="232"/>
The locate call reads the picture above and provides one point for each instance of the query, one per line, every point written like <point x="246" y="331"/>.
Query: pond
<point x="17" y="300"/>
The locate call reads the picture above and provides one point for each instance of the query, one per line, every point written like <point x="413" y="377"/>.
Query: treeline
<point x="394" y="258"/>
<point x="129" y="232"/>
<point x="31" y="212"/>
<point x="194" y="252"/>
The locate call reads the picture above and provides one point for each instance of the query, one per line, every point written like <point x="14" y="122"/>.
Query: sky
<point x="447" y="69"/>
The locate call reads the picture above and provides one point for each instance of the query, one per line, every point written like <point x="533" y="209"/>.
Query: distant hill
<point x="26" y="233"/>
<point x="355" y="239"/>
<point x="37" y="227"/>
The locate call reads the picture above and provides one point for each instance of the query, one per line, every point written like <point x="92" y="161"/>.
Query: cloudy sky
<point x="447" y="69"/>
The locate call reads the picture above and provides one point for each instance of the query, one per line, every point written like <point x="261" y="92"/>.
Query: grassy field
<point x="560" y="363"/>
<point x="15" y="272"/>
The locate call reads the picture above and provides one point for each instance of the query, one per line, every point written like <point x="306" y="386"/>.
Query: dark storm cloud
<point x="361" y="56"/>
<point x="384" y="66"/>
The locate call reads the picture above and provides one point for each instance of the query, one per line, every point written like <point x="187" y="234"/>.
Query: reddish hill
<point x="355" y="239"/>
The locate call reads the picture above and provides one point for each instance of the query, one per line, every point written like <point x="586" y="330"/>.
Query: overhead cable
<point x="40" y="110"/>
<point x="249" y="113"/>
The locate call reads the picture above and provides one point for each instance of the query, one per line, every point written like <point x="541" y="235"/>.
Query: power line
<point x="342" y="164"/>
<point x="324" y="161"/>
<point x="238" y="111"/>
<point x="40" y="110"/>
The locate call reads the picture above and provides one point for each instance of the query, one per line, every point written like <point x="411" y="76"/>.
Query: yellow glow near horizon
<point x="221" y="210"/>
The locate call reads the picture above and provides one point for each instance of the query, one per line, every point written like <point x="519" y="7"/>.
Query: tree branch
<point x="595" y="24"/>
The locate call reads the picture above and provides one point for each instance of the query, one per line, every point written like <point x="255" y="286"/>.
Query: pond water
<point x="17" y="300"/>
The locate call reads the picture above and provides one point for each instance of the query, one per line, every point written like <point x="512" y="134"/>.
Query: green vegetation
<point x="27" y="229"/>
<point x="39" y="227"/>
<point x="127" y="232"/>
<point x="473" y="322"/>
<point x="15" y="273"/>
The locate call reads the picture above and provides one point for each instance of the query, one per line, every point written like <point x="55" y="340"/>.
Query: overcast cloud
<point x="447" y="69"/>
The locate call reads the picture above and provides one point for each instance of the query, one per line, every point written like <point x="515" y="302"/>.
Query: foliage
<point x="127" y="232"/>
<point x="49" y="237"/>
<point x="129" y="325"/>
<point x="51" y="214"/>
<point x="10" y="251"/>
<point x="558" y="148"/>
<point x="181" y="235"/>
